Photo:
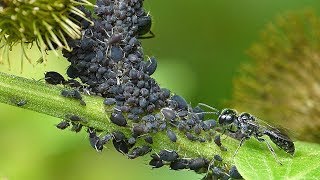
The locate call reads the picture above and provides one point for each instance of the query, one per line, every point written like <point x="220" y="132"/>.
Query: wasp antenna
<point x="217" y="112"/>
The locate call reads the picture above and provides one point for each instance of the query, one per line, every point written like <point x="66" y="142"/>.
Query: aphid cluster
<point x="109" y="61"/>
<point x="214" y="169"/>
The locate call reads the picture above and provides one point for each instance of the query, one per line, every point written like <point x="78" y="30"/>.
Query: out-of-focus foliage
<point x="208" y="37"/>
<point x="253" y="163"/>
<point x="282" y="84"/>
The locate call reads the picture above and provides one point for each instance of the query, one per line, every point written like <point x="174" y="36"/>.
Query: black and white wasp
<point x="246" y="126"/>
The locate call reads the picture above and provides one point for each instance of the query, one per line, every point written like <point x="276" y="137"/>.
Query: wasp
<point x="246" y="126"/>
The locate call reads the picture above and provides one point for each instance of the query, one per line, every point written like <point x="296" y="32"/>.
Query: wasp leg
<point x="270" y="149"/>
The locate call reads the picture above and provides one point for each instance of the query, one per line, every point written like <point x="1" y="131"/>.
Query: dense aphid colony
<point x="109" y="61"/>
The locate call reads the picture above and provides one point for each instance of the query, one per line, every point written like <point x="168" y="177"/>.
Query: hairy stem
<point x="46" y="99"/>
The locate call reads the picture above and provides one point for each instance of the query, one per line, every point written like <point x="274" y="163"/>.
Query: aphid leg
<point x="270" y="149"/>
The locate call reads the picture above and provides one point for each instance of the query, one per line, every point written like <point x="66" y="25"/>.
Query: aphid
<point x="172" y="136"/>
<point x="234" y="173"/>
<point x="179" y="164"/>
<point x="168" y="114"/>
<point x="106" y="138"/>
<point x="144" y="27"/>
<point x="148" y="118"/>
<point x="63" y="125"/>
<point x="76" y="127"/>
<point x="211" y="123"/>
<point x="197" y="129"/>
<point x="181" y="102"/>
<point x="139" y="129"/>
<point x="191" y="137"/>
<point x="73" y="83"/>
<point x="219" y="173"/>
<point x="120" y="142"/>
<point x="149" y="139"/>
<point x="94" y="140"/>
<point x="54" y="78"/>
<point x="114" y="38"/>
<point x="139" y="151"/>
<point x="217" y="140"/>
<point x="217" y="158"/>
<point x="198" y="163"/>
<point x="182" y="114"/>
<point x="72" y="72"/>
<point x="74" y="117"/>
<point x="151" y="66"/>
<point x="132" y="140"/>
<point x="156" y="162"/>
<point x="75" y="94"/>
<point x="118" y="118"/>
<point x="116" y="53"/>
<point x="109" y="101"/>
<point x="169" y="156"/>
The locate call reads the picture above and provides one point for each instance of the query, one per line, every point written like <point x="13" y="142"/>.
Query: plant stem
<point x="46" y="99"/>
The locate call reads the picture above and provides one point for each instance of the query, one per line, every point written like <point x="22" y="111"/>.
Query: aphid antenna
<point x="217" y="112"/>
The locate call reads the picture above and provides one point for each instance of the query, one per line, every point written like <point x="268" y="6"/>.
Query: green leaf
<point x="255" y="161"/>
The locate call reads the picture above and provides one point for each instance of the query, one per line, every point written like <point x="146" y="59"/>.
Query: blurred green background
<point x="199" y="45"/>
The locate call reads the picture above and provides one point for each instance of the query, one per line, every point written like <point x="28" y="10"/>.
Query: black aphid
<point x="217" y="140"/>
<point x="116" y="53"/>
<point x="198" y="163"/>
<point x="234" y="173"/>
<point x="72" y="72"/>
<point x="156" y="162"/>
<point x="179" y="164"/>
<point x="139" y="129"/>
<point x="191" y="137"/>
<point x="94" y="140"/>
<point x="168" y="114"/>
<point x="148" y="139"/>
<point x="73" y="83"/>
<point x="211" y="123"/>
<point x="118" y="118"/>
<point x="217" y="172"/>
<point x="120" y="142"/>
<point x="75" y="94"/>
<point x="63" y="125"/>
<point x="76" y="127"/>
<point x="109" y="101"/>
<point x="144" y="27"/>
<point x="169" y="156"/>
<point x="74" y="117"/>
<point x="172" y="136"/>
<point x="139" y="151"/>
<point x="151" y="66"/>
<point x="181" y="102"/>
<point x="217" y="158"/>
<point x="54" y="78"/>
<point x="132" y="140"/>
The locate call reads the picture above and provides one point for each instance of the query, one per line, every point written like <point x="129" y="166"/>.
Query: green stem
<point x="46" y="99"/>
